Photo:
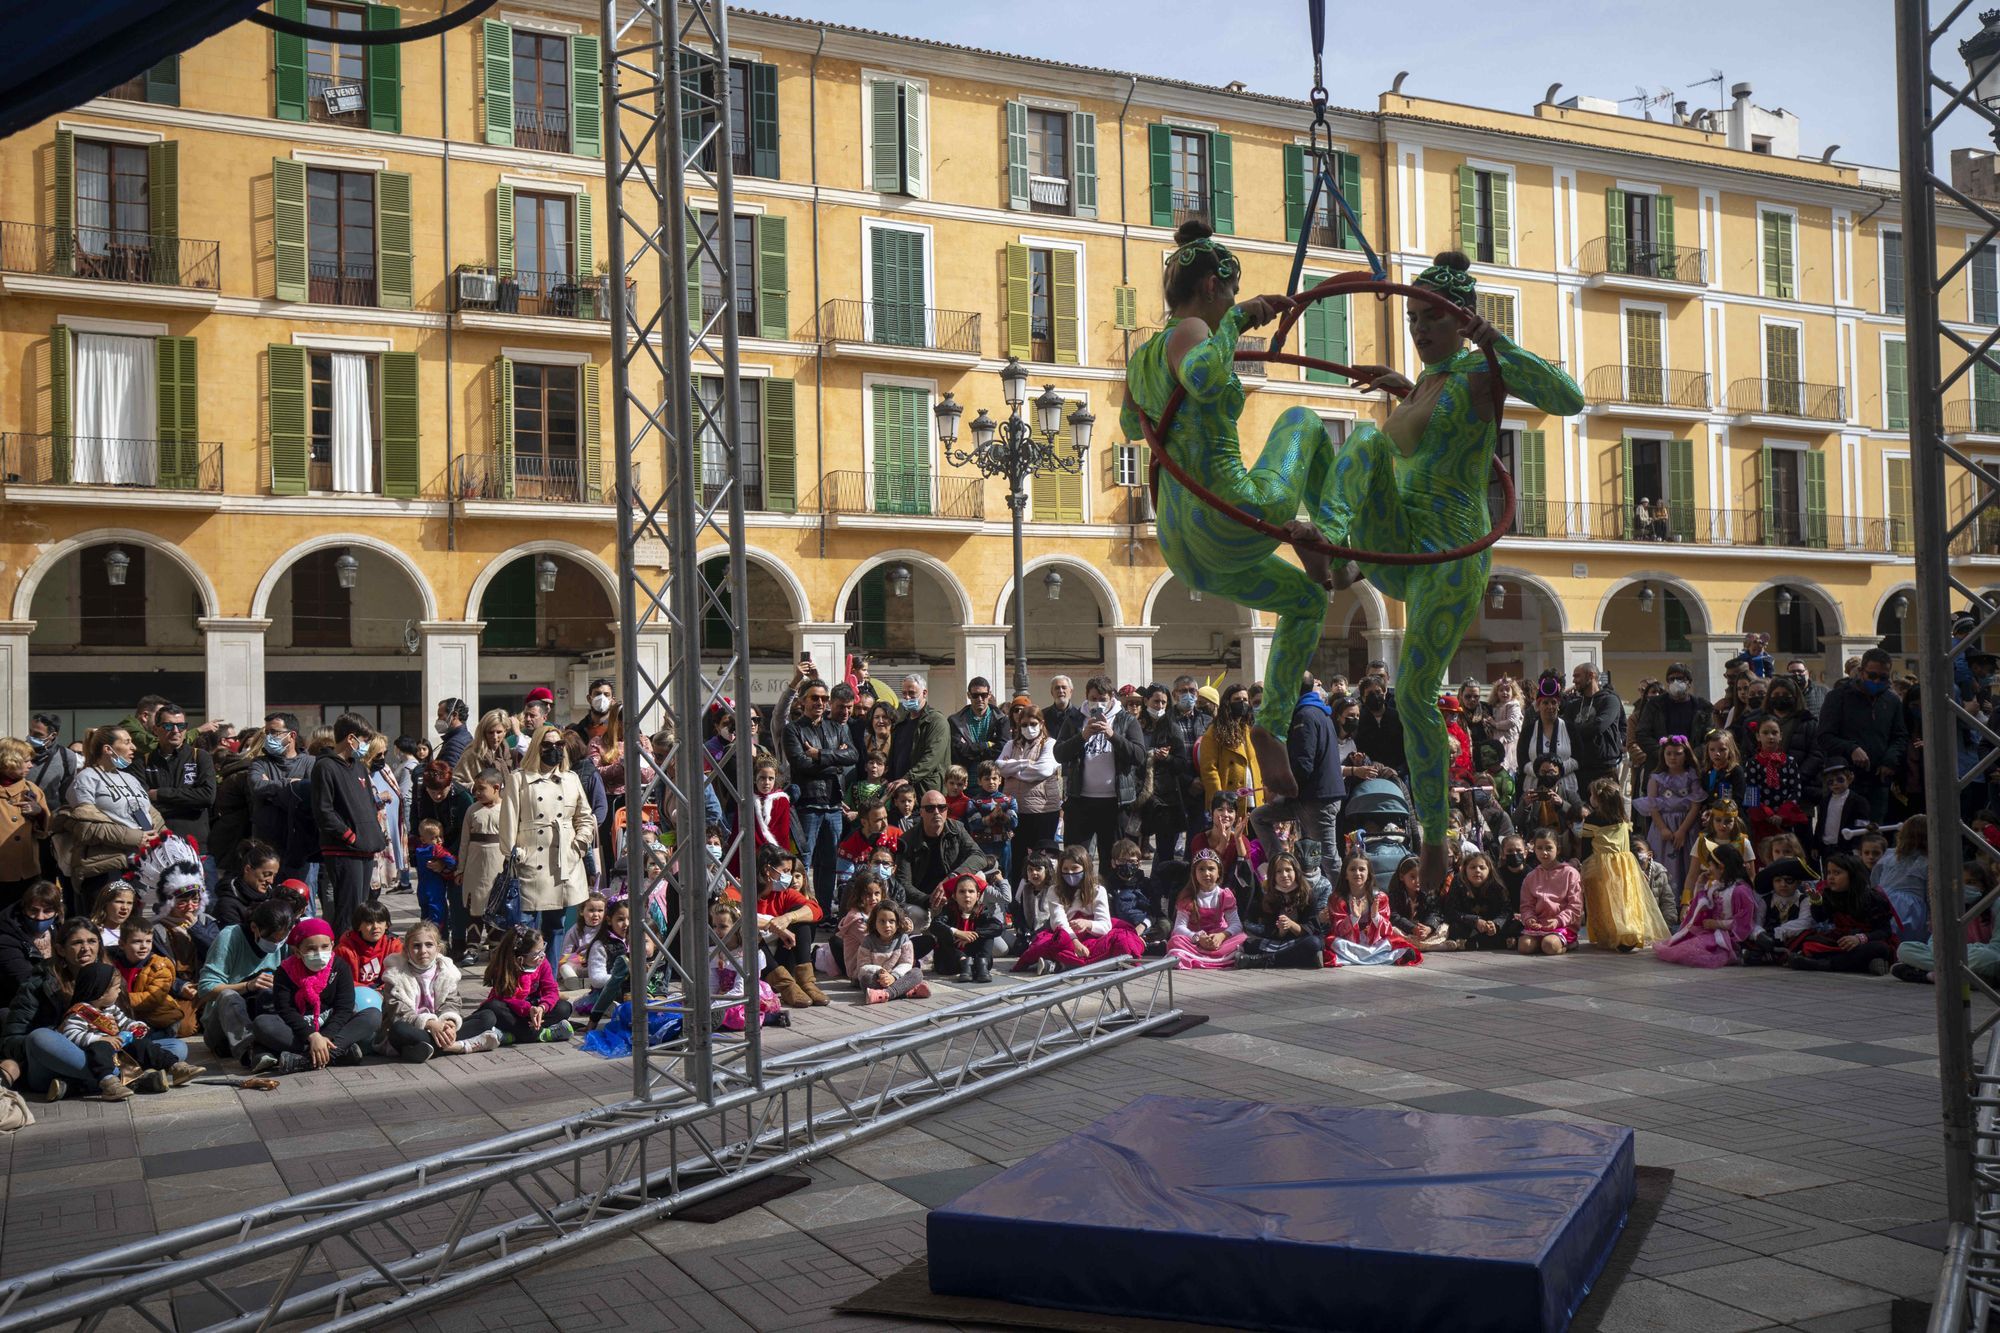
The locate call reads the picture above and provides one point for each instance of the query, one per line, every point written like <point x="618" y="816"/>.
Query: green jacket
<point x="920" y="749"/>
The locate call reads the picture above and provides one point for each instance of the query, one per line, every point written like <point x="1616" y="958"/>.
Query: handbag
<point x="503" y="905"/>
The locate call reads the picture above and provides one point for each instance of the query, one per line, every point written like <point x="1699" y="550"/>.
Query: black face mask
<point x="1347" y="726"/>
<point x="1374" y="703"/>
<point x="1513" y="860"/>
<point x="1240" y="710"/>
<point x="552" y="754"/>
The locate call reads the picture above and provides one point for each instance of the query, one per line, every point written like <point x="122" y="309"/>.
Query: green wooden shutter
<point x="501" y="425"/>
<point x="1503" y="219"/>
<point x="497" y="43"/>
<point x="586" y="237"/>
<point x="781" y="445"/>
<point x="1896" y="384"/>
<point x="1295" y="190"/>
<point x="395" y="278"/>
<point x="1614" y="231"/>
<point x="1063" y="299"/>
<point x="696" y="223"/>
<point x="871" y="602"/>
<point x="1985" y="398"/>
<point x="401" y="451"/>
<point x="1160" y="153"/>
<point x="503" y="229"/>
<point x="902" y="474"/>
<point x="285" y="389"/>
<point x="62" y="355"/>
<point x="1350" y="187"/>
<point x="1058" y="496"/>
<point x="288" y="228"/>
<point x="1767" y="498"/>
<point x="1669" y="265"/>
<point x="1815" y="499"/>
<point x="163" y="82"/>
<point x="774" y="317"/>
<point x="1531" y="486"/>
<point x="1680" y="489"/>
<point x="1325" y="333"/>
<point x="695" y="117"/>
<point x="1778" y="277"/>
<point x="1083" y="138"/>
<point x="288" y="59"/>
<point x="897" y="260"/>
<point x="1897" y="502"/>
<point x="1125" y="306"/>
<point x="65" y="204"/>
<point x="1627" y="457"/>
<point x="764" y="121"/>
<point x="163" y="210"/>
<point x="1017" y="156"/>
<point x="913" y="138"/>
<point x="1675" y="625"/>
<point x="1468" y="211"/>
<point x="885" y="152"/>
<point x="179" y="419"/>
<point x="586" y="96"/>
<point x="384" y="76"/>
<point x="1222" y="183"/>
<point x="593" y="456"/>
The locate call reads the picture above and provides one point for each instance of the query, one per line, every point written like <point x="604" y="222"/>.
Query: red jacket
<point x="784" y="901"/>
<point x="365" y="959"/>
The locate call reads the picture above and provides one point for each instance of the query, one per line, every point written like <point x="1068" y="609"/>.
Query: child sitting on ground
<point x="1131" y="893"/>
<point x="609" y="945"/>
<point x="521" y="998"/>
<point x="1551" y="899"/>
<point x="785" y="919"/>
<point x="963" y="934"/>
<point x="1781" y="913"/>
<point x="576" y="941"/>
<point x="420" y="1007"/>
<point x="1666" y="896"/>
<point x="956" y="798"/>
<point x="104" y="1032"/>
<point x="1720" y="921"/>
<point x="369" y="945"/>
<point x="1280" y="930"/>
<point x="116" y="902"/>
<point x="1414" y="912"/>
<point x="886" y="964"/>
<point x="1359" y="932"/>
<point x="726" y="979"/>
<point x="1208" y="930"/>
<point x="154" y="988"/>
<point x="1720" y="826"/>
<point x="435" y="866"/>
<point x="864" y="889"/>
<point x="1479" y="909"/>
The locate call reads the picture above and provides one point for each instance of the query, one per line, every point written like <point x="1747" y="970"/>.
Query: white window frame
<point x="1625" y="308"/>
<point x="1882" y="366"/>
<point x="1082" y="396"/>
<point x="1122" y="453"/>
<point x="919" y="188"/>
<point x="1971" y="244"/>
<point x="871" y="225"/>
<point x="1801" y="448"/>
<point x="1082" y="253"/>
<point x="1798" y="268"/>
<point x="1882" y="268"/>
<point x="1513" y="175"/>
<point x="934" y="462"/>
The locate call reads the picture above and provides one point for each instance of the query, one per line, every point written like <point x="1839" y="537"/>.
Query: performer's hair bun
<point x="1454" y="259"/>
<point x="1194" y="229"/>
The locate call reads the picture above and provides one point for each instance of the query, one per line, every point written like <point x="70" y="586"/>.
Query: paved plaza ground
<point x="1799" y="1112"/>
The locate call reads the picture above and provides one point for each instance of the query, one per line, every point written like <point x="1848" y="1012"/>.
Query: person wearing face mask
<point x="237" y="977"/>
<point x="106" y="814"/>
<point x="1030" y="774"/>
<point x="454" y="737"/>
<point x="1379" y="731"/>
<point x="1101" y="761"/>
<point x="1170" y="783"/>
<point x="920" y="743"/>
<point x="1678" y="710"/>
<point x="313" y="1021"/>
<point x="345" y="814"/>
<point x="27" y="934"/>
<point x="1862" y="725"/>
<point x="24" y="823"/>
<point x="596" y="710"/>
<point x="1812" y="694"/>
<point x="1313" y="744"/>
<point x="545" y="817"/>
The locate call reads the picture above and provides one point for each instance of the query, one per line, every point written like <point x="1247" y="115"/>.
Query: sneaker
<point x="351" y="1054"/>
<point x="112" y="1089"/>
<point x="920" y="991"/>
<point x="1910" y="972"/>
<point x="291" y="1062"/>
<point x="152" y="1081"/>
<point x="56" y="1091"/>
<point x="469" y="958"/>
<point x="1878" y="967"/>
<point x="560" y="1032"/>
<point x="488" y="1040"/>
<point x="906" y="983"/>
<point x="265" y="1063"/>
<point x="184" y="1073"/>
<point x="878" y="996"/>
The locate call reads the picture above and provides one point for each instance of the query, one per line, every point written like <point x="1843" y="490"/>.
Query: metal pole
<point x="1934" y="581"/>
<point x="1017" y="501"/>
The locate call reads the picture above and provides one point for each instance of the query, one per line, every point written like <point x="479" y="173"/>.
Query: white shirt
<point x="1100" y="772"/>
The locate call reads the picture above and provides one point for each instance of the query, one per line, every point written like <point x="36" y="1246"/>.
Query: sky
<point x="1831" y="62"/>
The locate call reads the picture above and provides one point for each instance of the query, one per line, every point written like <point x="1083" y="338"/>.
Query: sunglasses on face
<point x="935" y="809"/>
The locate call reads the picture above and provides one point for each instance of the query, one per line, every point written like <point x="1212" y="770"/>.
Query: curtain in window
<point x="353" y="445"/>
<point x="93" y="211"/>
<point x="116" y="411"/>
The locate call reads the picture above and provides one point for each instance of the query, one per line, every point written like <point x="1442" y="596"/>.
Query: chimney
<point x="1973" y="174"/>
<point x="1739" y="116"/>
<point x="1680" y="113"/>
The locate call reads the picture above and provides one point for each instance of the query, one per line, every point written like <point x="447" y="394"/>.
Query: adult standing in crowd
<point x="1596" y="720"/>
<point x="1100" y="761"/>
<point x="1032" y="776"/>
<point x="344" y="812"/>
<point x="1228" y="763"/>
<point x="1546" y="735"/>
<point x="180" y="781"/>
<point x="1812" y="694"/>
<point x="454" y="737"/>
<point x="821" y="754"/>
<point x="24" y="823"/>
<point x="597" y="710"/>
<point x="545" y="815"/>
<point x="978" y="731"/>
<point x="1862" y="726"/>
<point x="139" y="725"/>
<point x="1379" y="733"/>
<point x="1676" y="711"/>
<point x="106" y="815"/>
<point x="257" y="789"/>
<point x="920" y="745"/>
<point x="489" y="748"/>
<point x="1062" y="713"/>
<point x="1313" y="745"/>
<point x="1174" y="783"/>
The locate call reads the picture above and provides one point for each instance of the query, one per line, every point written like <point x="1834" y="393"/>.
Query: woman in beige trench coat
<point x="545" y="818"/>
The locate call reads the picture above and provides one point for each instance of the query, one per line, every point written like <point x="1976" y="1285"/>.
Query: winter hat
<point x="306" y="929"/>
<point x="1210" y="693"/>
<point x="541" y="694"/>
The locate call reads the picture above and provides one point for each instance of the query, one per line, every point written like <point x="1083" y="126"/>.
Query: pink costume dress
<point x="1668" y="798"/>
<point x="1552" y="893"/>
<point x="1373" y="942"/>
<point x="1209" y="911"/>
<point x="1735" y="908"/>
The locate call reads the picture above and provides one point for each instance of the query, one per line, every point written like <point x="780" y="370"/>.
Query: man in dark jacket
<point x="268" y="760"/>
<point x="55" y="764"/>
<point x="1062" y="714"/>
<point x="1100" y="760"/>
<point x="1675" y="711"/>
<point x="454" y="739"/>
<point x="180" y="780"/>
<point x="1379" y="733"/>
<point x="978" y="731"/>
<point x="1596" y="723"/>
<point x="1862" y="726"/>
<point x="920" y="748"/>
<point x="1314" y="747"/>
<point x="938" y="846"/>
<point x="343" y="806"/>
<point x="821" y="754"/>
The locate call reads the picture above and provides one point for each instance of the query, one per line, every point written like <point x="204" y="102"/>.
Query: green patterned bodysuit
<point x="1365" y="494"/>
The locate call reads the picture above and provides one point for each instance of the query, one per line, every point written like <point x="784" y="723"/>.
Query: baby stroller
<point x="1379" y="812"/>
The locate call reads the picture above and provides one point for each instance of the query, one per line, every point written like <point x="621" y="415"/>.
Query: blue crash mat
<point x="1298" y="1217"/>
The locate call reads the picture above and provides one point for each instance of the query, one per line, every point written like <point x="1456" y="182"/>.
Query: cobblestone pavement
<point x="1799" y="1112"/>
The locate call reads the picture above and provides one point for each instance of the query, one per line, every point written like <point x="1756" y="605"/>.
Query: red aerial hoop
<point x="1294" y="307"/>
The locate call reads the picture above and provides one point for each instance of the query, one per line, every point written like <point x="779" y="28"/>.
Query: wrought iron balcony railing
<point x="479" y="288"/>
<point x="1789" y="398"/>
<point x="351" y="283"/>
<point x="1647" y="386"/>
<point x="85" y="460"/>
<point x="1668" y="524"/>
<point x="542" y="129"/>
<point x="903" y="491"/>
<point x="1666" y="263"/>
<point x="110" y="256"/>
<point x="1972" y="416"/>
<point x="898" y="324"/>
<point x="557" y="479"/>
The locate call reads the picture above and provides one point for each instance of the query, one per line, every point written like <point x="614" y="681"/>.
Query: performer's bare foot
<point x="1309" y="542"/>
<point x="1433" y="867"/>
<point x="1274" y="763"/>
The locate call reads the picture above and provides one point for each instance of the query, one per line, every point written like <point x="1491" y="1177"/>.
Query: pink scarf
<point x="311" y="985"/>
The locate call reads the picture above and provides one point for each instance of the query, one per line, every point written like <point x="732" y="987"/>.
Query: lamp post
<point x="1016" y="450"/>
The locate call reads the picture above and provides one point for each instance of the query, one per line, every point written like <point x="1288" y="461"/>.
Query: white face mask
<point x="441" y="726"/>
<point x="1156" y="710"/>
<point x="317" y="960"/>
<point x="1031" y="731"/>
<point x="600" y="703"/>
<point x="1677" y="688"/>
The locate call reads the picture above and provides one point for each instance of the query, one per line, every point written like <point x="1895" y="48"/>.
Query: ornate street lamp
<point x="1645" y="597"/>
<point x="545" y="574"/>
<point x="346" y="569"/>
<point x="897" y="577"/>
<point x="1497" y="598"/>
<point x="1017" y="451"/>
<point x="1784" y="601"/>
<point x="117" y="565"/>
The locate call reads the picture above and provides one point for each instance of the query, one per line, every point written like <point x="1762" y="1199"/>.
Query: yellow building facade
<point x="307" y="363"/>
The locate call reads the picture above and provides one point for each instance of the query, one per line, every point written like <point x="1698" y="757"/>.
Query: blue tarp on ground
<point x="61" y="53"/>
<point x="1298" y="1217"/>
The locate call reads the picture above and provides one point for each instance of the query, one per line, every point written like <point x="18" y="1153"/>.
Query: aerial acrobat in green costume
<point x="1413" y="493"/>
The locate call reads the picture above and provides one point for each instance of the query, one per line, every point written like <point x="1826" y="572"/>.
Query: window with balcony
<point x="711" y="430"/>
<point x="548" y="432"/>
<point x="1485" y="215"/>
<point x="334" y="81"/>
<point x="1784" y="393"/>
<point x="758" y="253"/>
<point x="1896" y="503"/>
<point x="1189" y="174"/>
<point x="336" y="68"/>
<point x="342" y="423"/>
<point x="544" y="253"/>
<point x="123" y="411"/>
<point x="542" y="90"/>
<point x="1645" y="356"/>
<point x="322" y="610"/>
<point x="1325" y="333"/>
<point x="901" y="448"/>
<point x="1047" y="160"/>
<point x="898" y="261"/>
<point x="1329" y="226"/>
<point x="116" y="218"/>
<point x="1192" y="176"/>
<point x="1042" y="304"/>
<point x="1793" y="498"/>
<point x="340" y="236"/>
<point x="894" y="147"/>
<point x="1895" y="384"/>
<point x="160" y="85"/>
<point x="346" y="429"/>
<point x="1057" y="497"/>
<point x="753" y="114"/>
<point x="113" y="211"/>
<point x="1523" y="453"/>
<point x="743" y="255"/>
<point x="1892" y="271"/>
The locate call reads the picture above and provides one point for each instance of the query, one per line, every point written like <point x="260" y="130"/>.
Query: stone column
<point x="982" y="651"/>
<point x="653" y="648"/>
<point x="1575" y="647"/>
<point x="827" y="645"/>
<point x="14" y="676"/>
<point x="1709" y="652"/>
<point x="1255" y="642"/>
<point x="451" y="666"/>
<point x="1128" y="654"/>
<point x="236" y="669"/>
<point x="1384" y="645"/>
<point x="1853" y="645"/>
